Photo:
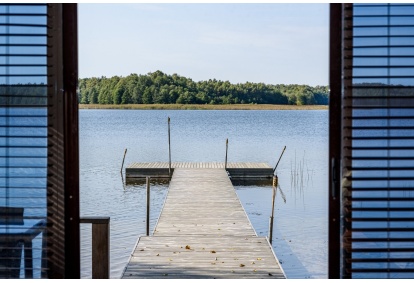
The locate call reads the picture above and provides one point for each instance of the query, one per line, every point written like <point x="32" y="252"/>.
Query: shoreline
<point x="202" y="107"/>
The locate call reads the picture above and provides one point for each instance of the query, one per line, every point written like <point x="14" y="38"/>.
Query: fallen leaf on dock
<point x="213" y="252"/>
<point x="158" y="254"/>
<point x="241" y="265"/>
<point x="259" y="258"/>
<point x="187" y="247"/>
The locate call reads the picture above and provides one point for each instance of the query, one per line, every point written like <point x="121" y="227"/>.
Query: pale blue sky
<point x="270" y="43"/>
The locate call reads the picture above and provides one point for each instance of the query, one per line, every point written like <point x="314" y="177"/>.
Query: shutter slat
<point x="393" y="219"/>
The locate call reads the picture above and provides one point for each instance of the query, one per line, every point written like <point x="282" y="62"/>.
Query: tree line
<point x="161" y="88"/>
<point x="23" y="94"/>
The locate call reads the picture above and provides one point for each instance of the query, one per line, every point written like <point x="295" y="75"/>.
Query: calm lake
<point x="300" y="232"/>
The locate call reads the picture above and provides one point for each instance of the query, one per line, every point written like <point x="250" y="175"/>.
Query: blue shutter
<point x="377" y="150"/>
<point x="23" y="138"/>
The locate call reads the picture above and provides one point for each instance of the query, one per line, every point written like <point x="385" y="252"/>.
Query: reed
<point x="300" y="173"/>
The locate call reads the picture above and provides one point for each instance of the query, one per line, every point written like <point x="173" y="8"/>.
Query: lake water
<point x="300" y="232"/>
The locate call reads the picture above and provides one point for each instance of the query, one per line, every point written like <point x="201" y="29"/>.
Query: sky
<point x="270" y="43"/>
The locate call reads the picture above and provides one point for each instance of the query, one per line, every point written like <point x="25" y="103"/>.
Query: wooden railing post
<point x="100" y="246"/>
<point x="274" y="170"/>
<point x="169" y="148"/>
<point x="225" y="160"/>
<point x="123" y="160"/>
<point x="274" y="189"/>
<point x="148" y="204"/>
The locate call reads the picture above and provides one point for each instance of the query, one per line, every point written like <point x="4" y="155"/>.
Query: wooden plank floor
<point x="199" y="165"/>
<point x="203" y="232"/>
<point x="238" y="170"/>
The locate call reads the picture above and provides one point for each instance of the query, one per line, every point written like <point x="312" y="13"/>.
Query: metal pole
<point x="169" y="148"/>
<point x="279" y="159"/>
<point x="123" y="160"/>
<point x="274" y="189"/>
<point x="227" y="147"/>
<point x="148" y="204"/>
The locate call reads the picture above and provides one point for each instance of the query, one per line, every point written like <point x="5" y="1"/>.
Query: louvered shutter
<point x="376" y="185"/>
<point x="23" y="138"/>
<point x="39" y="202"/>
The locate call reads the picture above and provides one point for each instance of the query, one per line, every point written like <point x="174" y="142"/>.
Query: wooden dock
<point x="239" y="171"/>
<point x="203" y="232"/>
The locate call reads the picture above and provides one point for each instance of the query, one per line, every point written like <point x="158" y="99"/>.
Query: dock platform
<point x="238" y="171"/>
<point x="203" y="232"/>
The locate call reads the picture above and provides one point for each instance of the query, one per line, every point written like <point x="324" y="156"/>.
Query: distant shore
<point x="203" y="107"/>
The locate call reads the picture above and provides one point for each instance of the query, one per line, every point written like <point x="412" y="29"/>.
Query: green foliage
<point x="160" y="88"/>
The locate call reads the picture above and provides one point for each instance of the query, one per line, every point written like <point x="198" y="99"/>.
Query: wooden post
<point x="274" y="189"/>
<point x="100" y="246"/>
<point x="123" y="160"/>
<point x="28" y="260"/>
<point x="100" y="251"/>
<point x="227" y="147"/>
<point x="148" y="204"/>
<point x="169" y="148"/>
<point x="279" y="159"/>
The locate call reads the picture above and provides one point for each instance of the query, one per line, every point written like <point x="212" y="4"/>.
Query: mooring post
<point x="227" y="147"/>
<point x="169" y="148"/>
<point x="274" y="189"/>
<point x="148" y="204"/>
<point x="123" y="160"/>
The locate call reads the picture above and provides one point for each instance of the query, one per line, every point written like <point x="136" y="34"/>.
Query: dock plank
<point x="203" y="232"/>
<point x="238" y="170"/>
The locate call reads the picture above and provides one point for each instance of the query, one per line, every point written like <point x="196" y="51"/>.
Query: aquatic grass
<point x="300" y="174"/>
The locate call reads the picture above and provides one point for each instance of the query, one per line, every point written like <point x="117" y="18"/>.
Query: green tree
<point x="158" y="87"/>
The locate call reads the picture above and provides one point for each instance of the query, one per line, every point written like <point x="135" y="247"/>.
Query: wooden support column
<point x="100" y="246"/>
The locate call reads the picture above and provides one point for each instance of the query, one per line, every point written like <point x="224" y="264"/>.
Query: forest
<point x="160" y="88"/>
<point x="23" y="94"/>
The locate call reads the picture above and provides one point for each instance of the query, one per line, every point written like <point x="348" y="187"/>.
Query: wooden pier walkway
<point x="239" y="171"/>
<point x="203" y="232"/>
